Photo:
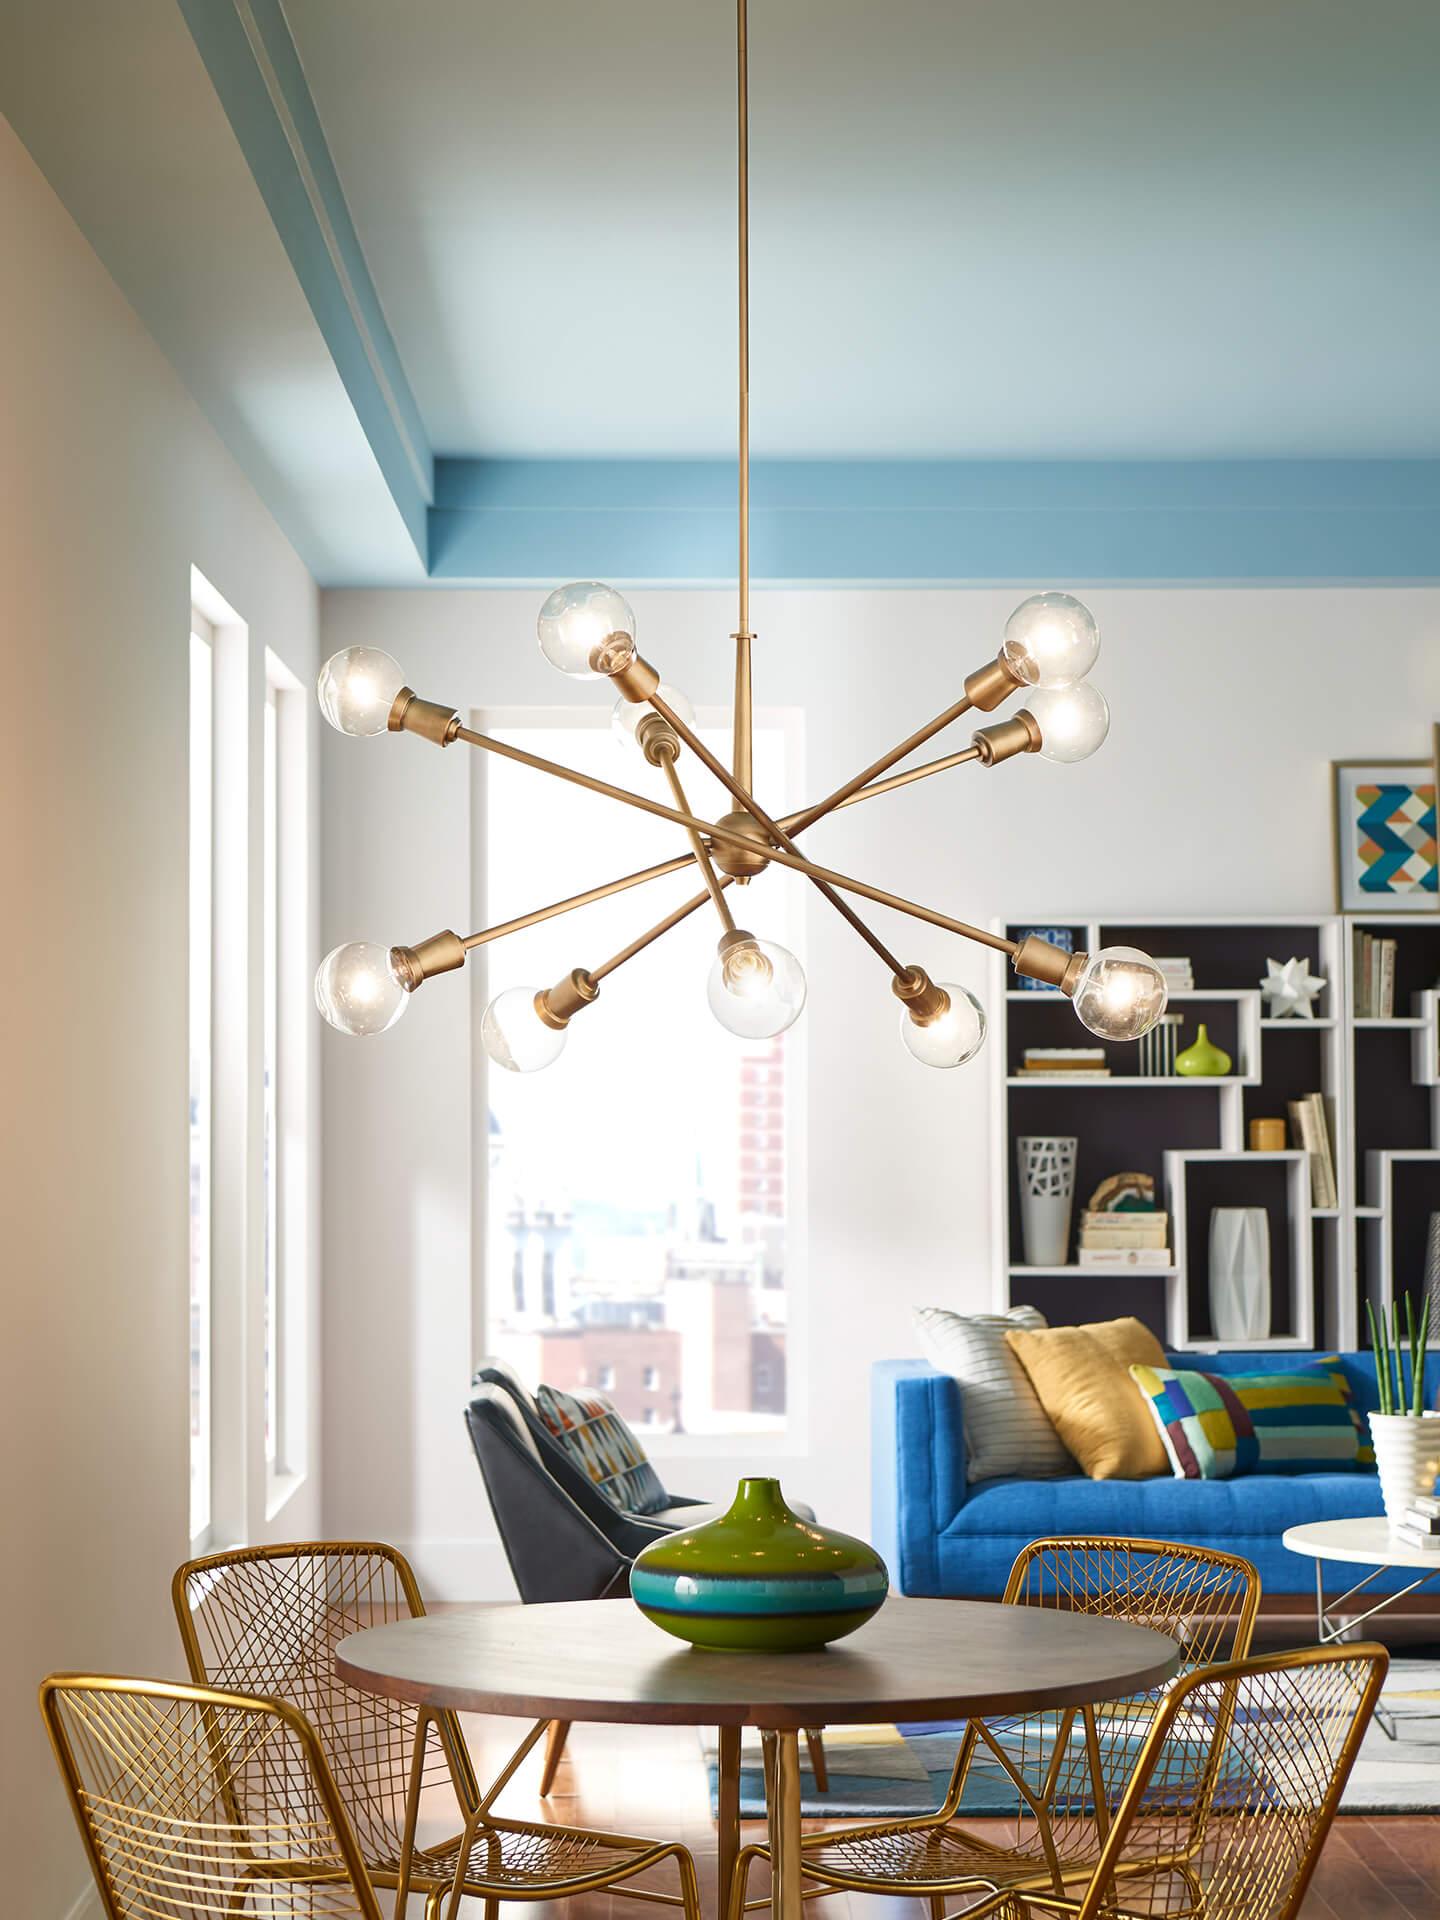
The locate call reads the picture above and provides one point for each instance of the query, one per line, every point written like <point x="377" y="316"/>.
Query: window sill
<point x="280" y="1488"/>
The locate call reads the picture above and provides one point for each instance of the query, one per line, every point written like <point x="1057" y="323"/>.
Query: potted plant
<point x="1406" y="1436"/>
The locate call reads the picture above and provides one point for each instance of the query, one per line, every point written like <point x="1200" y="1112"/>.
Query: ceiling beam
<point x="921" y="523"/>
<point x="255" y="69"/>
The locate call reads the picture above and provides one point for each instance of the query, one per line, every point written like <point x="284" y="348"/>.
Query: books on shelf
<point x="1179" y="974"/>
<point x="1126" y="1238"/>
<point x="1085" y="1063"/>
<point x="1310" y="1131"/>
<point x="1374" y="977"/>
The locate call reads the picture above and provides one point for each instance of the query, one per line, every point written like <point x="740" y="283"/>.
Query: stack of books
<point x="1070" y="1063"/>
<point x="1127" y="1238"/>
<point x="1374" y="977"/>
<point x="1421" y="1525"/>
<point x="1179" y="975"/>
<point x="1310" y="1130"/>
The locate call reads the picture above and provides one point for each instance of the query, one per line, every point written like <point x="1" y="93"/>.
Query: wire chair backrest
<point x="267" y="1620"/>
<point x="1077" y="1763"/>
<point x="1236" y="1788"/>
<point x="153" y="1773"/>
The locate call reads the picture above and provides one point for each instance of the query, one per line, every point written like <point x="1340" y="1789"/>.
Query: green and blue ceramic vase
<point x="759" y="1578"/>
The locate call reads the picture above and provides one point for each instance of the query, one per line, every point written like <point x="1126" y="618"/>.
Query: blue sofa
<point x="940" y="1535"/>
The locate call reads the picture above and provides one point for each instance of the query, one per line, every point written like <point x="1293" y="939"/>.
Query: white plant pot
<point x="1047" y="1195"/>
<point x="1407" y="1454"/>
<point x="1240" y="1274"/>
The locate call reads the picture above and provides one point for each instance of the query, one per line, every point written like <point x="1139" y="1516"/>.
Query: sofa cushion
<point x="1006" y="1428"/>
<point x="602" y="1446"/>
<point x="1081" y="1376"/>
<point x="1216" y="1425"/>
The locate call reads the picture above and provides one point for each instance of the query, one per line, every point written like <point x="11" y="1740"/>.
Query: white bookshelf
<point x="1380" y="1080"/>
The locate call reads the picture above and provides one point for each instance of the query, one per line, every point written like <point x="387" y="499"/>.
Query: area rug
<point x="896" y="1770"/>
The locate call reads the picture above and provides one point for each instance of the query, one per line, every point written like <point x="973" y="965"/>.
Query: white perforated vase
<point x="1047" y="1194"/>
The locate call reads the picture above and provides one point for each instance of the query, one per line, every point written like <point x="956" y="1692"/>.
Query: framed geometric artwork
<point x="1384" y="819"/>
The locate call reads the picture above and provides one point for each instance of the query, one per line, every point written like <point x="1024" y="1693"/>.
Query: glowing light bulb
<point x="357" y="688"/>
<point x="626" y="715"/>
<point x="756" y="989"/>
<point x="356" y="989"/>
<point x="514" y="1035"/>
<point x="1051" y="640"/>
<point x="1120" y="993"/>
<point x="576" y="622"/>
<point x="956" y="1036"/>
<point x="1073" y="721"/>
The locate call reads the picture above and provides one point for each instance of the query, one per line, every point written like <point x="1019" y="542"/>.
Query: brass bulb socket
<point x="1005" y="738"/>
<point x="558" y="1005"/>
<point x="633" y="679"/>
<point x="411" y="714"/>
<point x="923" y="1001"/>
<point x="657" y="739"/>
<point x="1038" y="960"/>
<point x="739" y="862"/>
<point x="441" y="953"/>
<point x="988" y="686"/>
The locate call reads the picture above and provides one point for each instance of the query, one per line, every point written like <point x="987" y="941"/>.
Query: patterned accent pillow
<point x="1007" y="1431"/>
<point x="602" y="1446"/>
<point x="1216" y="1426"/>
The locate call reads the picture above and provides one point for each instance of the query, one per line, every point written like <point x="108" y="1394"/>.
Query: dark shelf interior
<point x="1074" y="1300"/>
<point x="1237" y="1183"/>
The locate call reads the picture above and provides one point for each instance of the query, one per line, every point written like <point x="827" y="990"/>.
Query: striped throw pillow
<point x="1216" y="1426"/>
<point x="602" y="1446"/>
<point x="1007" y="1431"/>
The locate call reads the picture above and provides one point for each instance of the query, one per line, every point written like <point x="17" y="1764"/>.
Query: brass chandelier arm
<point x="591" y="894"/>
<point x="692" y="905"/>
<point x="795" y="823"/>
<point x="702" y="852"/>
<point x="775" y="830"/>
<point x="713" y="831"/>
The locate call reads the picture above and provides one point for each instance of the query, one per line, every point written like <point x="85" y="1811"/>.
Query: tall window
<point x="202" y="762"/>
<point x="637" y="1188"/>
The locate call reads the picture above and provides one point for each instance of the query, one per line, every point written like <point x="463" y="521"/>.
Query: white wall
<point x="1212" y="794"/>
<point x="112" y="486"/>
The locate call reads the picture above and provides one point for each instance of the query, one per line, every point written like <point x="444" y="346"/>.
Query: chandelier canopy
<point x="755" y="988"/>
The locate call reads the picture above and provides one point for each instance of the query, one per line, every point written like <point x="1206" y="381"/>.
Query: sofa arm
<point x="917" y="1472"/>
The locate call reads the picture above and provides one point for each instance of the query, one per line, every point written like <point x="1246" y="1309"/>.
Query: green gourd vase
<point x="1204" y="1058"/>
<point x="759" y="1579"/>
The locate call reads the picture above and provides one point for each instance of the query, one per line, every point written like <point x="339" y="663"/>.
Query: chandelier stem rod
<point x="702" y="852"/>
<point x="521" y="921"/>
<point x="774" y="829"/>
<point x="692" y="905"/>
<point x="713" y="831"/>
<point x="742" y="755"/>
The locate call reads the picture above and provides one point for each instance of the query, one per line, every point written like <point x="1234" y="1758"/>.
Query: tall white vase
<point x="1407" y="1454"/>
<point x="1047" y="1194"/>
<point x="1239" y="1274"/>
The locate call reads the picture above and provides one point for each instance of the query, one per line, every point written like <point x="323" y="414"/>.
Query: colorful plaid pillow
<point x="1215" y="1426"/>
<point x="602" y="1446"/>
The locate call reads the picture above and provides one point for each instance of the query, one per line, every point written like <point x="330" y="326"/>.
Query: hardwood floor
<point x="651" y="1780"/>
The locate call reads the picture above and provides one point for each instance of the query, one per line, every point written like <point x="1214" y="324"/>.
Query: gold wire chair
<point x="155" y="1774"/>
<point x="267" y="1620"/>
<point x="1066" y="1767"/>
<point x="1232" y="1797"/>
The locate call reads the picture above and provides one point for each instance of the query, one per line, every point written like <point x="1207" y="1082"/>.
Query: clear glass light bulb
<point x="356" y="988"/>
<point x="577" y="620"/>
<point x="1120" y="993"/>
<point x="514" y="1035"/>
<point x="357" y="688"/>
<point x="1073" y="721"/>
<point x="1051" y="640"/>
<point x="626" y="715"/>
<point x="756" y="989"/>
<point x="957" y="1036"/>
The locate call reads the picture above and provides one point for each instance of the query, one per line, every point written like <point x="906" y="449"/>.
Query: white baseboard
<point x="460" y="1569"/>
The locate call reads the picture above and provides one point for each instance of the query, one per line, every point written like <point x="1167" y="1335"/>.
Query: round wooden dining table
<point x="603" y="1660"/>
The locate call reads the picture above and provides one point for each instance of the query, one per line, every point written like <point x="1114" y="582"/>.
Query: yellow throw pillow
<point x="1081" y="1377"/>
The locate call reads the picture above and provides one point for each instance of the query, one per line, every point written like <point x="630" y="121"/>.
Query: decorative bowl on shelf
<point x="759" y="1578"/>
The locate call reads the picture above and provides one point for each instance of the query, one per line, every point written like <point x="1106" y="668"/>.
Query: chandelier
<point x="756" y="989"/>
